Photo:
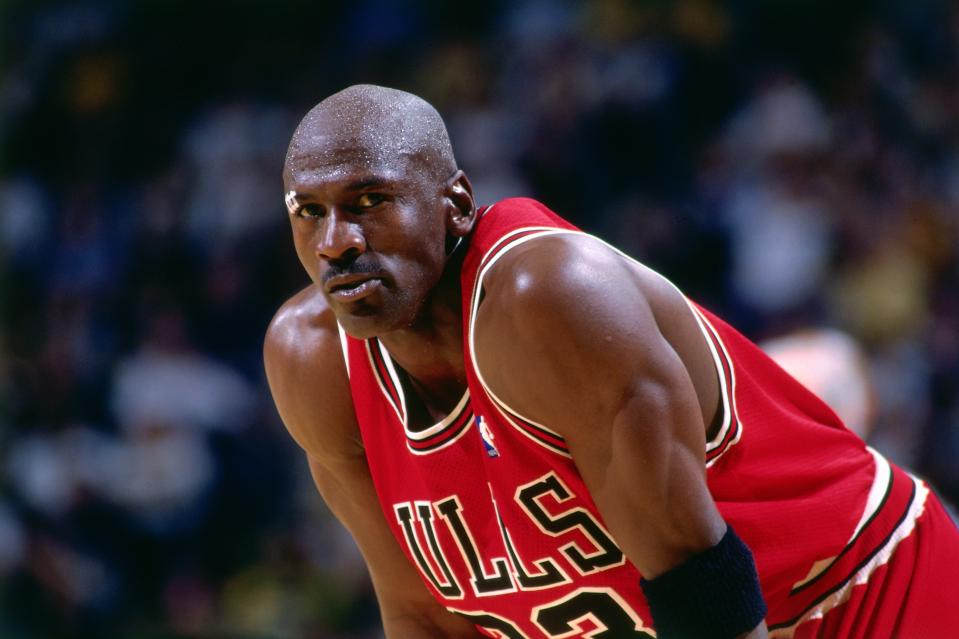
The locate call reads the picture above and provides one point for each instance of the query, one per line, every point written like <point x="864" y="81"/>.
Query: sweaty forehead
<point x="333" y="153"/>
<point x="367" y="128"/>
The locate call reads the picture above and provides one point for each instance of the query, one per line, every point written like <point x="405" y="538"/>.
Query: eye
<point x="309" y="211"/>
<point x="369" y="200"/>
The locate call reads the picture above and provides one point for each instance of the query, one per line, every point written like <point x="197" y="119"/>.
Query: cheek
<point x="427" y="259"/>
<point x="425" y="274"/>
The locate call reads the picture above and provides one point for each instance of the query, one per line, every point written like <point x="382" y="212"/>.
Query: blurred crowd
<point x="793" y="166"/>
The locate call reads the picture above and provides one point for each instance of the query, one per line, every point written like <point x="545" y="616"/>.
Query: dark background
<point x="789" y="164"/>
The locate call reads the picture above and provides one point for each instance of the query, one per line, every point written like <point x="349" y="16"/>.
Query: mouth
<point x="352" y="288"/>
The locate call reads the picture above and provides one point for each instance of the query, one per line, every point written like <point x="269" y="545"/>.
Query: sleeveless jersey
<point x="488" y="505"/>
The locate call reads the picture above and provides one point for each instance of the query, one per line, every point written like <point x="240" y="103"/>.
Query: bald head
<point x="371" y="127"/>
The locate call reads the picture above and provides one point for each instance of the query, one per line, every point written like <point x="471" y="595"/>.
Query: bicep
<point x="583" y="354"/>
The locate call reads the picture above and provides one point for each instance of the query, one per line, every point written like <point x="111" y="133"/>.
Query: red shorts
<point x="913" y="596"/>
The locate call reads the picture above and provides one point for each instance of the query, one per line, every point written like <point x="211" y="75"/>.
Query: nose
<point x="339" y="238"/>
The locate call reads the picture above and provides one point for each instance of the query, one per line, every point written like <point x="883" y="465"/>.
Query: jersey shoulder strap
<point x="498" y="225"/>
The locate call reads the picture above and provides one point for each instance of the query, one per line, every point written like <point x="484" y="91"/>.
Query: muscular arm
<point x="307" y="376"/>
<point x="567" y="336"/>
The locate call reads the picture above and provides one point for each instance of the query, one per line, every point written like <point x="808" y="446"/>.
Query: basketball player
<point x="531" y="435"/>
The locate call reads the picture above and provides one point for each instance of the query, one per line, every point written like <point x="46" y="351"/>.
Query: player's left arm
<point x="566" y="336"/>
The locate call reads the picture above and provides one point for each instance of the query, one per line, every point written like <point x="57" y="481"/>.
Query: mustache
<point x="358" y="267"/>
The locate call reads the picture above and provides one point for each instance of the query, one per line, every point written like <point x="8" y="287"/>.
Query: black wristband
<point x="713" y="594"/>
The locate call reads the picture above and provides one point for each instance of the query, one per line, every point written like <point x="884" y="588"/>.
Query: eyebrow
<point x="366" y="183"/>
<point x="295" y="201"/>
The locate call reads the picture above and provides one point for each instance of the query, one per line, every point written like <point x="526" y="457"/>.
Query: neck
<point x="431" y="349"/>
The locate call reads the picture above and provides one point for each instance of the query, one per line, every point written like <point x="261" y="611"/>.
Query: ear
<point x="461" y="209"/>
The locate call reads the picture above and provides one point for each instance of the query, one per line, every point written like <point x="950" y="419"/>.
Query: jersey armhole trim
<point x="344" y="347"/>
<point x="731" y="430"/>
<point x="540" y="434"/>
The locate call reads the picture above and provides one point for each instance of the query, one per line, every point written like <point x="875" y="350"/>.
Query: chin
<point x="378" y="314"/>
<point x="360" y="327"/>
<point x="366" y="325"/>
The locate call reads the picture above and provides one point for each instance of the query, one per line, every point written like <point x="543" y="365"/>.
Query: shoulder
<point x="564" y="312"/>
<point x="575" y="277"/>
<point x="566" y="282"/>
<point x="554" y="267"/>
<point x="306" y="371"/>
<point x="303" y="328"/>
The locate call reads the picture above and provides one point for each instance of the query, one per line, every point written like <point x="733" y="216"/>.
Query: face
<point x="371" y="235"/>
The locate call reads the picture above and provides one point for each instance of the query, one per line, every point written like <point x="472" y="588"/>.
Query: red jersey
<point x="489" y="507"/>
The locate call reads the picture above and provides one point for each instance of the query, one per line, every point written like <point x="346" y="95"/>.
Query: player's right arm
<point x="307" y="376"/>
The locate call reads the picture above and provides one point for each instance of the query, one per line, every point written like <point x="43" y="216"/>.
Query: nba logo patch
<point x="486" y="436"/>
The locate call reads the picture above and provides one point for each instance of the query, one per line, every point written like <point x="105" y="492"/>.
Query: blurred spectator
<point x="13" y="541"/>
<point x="24" y="225"/>
<point x="789" y="176"/>
<point x="169" y="383"/>
<point x="780" y="227"/>
<point x="232" y="155"/>
<point x="160" y="473"/>
<point x="833" y="366"/>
